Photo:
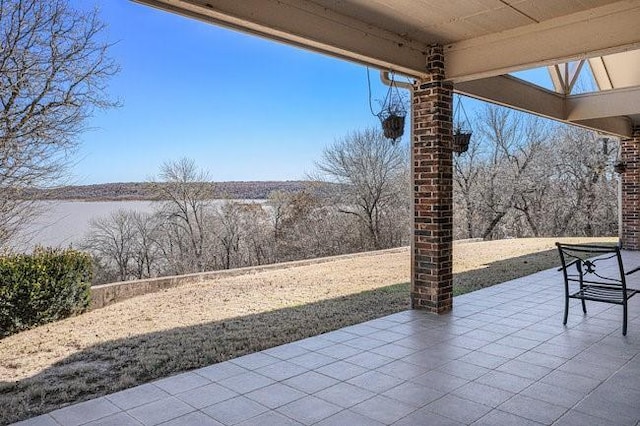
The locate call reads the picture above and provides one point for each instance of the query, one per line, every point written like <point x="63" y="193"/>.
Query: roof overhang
<point x="482" y="42"/>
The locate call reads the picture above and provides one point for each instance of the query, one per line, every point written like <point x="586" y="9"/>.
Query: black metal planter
<point x="461" y="141"/>
<point x="393" y="126"/>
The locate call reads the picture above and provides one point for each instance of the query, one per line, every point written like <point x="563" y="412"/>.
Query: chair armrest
<point x="633" y="271"/>
<point x="576" y="261"/>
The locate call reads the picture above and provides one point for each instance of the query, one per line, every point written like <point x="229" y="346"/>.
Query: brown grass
<point x="182" y="328"/>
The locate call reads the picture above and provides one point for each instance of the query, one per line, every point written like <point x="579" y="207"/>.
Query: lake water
<point x="64" y="223"/>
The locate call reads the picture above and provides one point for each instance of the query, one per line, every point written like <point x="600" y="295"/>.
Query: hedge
<point x="45" y="286"/>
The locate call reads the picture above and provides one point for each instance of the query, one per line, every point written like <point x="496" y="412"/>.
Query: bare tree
<point x="53" y="74"/>
<point x="186" y="190"/>
<point x="111" y="239"/>
<point x="365" y="165"/>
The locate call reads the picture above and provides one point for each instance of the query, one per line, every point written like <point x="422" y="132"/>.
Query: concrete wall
<point x="106" y="294"/>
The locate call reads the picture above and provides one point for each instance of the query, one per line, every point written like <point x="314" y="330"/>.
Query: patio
<point x="502" y="356"/>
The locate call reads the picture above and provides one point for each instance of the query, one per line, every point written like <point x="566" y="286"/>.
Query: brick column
<point x="631" y="192"/>
<point x="431" y="274"/>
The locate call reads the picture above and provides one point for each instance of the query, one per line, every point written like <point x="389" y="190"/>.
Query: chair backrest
<point x="595" y="265"/>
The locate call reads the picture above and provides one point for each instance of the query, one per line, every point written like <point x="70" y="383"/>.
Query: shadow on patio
<point x="501" y="357"/>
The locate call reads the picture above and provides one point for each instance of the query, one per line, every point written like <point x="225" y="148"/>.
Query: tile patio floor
<point x="502" y="357"/>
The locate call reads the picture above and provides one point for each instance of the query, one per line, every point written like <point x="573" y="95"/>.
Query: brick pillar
<point x="431" y="274"/>
<point x="631" y="192"/>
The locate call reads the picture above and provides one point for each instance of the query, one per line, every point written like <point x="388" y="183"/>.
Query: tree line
<point x="521" y="177"/>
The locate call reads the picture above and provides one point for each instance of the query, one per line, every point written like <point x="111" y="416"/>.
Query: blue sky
<point x="242" y="107"/>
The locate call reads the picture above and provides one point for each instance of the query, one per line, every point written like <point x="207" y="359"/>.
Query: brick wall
<point x="432" y="173"/>
<point x="631" y="192"/>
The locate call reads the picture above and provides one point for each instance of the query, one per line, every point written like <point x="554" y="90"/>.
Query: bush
<point x="46" y="286"/>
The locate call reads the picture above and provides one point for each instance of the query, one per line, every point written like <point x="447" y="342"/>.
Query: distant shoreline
<point x="145" y="191"/>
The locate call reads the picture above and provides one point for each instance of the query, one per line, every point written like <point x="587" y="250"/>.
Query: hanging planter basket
<point x="393" y="126"/>
<point x="393" y="112"/>
<point x="461" y="141"/>
<point x="462" y="129"/>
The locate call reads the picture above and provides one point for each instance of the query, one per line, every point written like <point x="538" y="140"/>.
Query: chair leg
<point x="584" y="306"/>
<point x="624" y="318"/>
<point x="566" y="310"/>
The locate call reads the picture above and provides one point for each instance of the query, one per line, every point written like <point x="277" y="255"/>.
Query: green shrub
<point x="45" y="286"/>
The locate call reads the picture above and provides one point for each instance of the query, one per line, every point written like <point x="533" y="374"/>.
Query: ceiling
<point x="483" y="41"/>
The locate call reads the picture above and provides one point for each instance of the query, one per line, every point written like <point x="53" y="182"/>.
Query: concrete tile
<point x="439" y="380"/>
<point x="139" y="395"/>
<point x="616" y="413"/>
<point x="312" y="360"/>
<point x="524" y="369"/>
<point x="505" y="381"/>
<point x="235" y="410"/>
<point x="339" y="351"/>
<point x="484" y="359"/>
<point x="387" y="336"/>
<point x="193" y="419"/>
<point x="414" y="394"/>
<point x="393" y="351"/>
<point x="553" y="394"/>
<point x="570" y="381"/>
<point x="338" y="336"/>
<point x="44" y="420"/>
<point x="533" y="409"/>
<point x="281" y="370"/>
<point x="246" y="382"/>
<point x="309" y="410"/>
<point x="276" y="395"/>
<point x="463" y="369"/>
<point x="501" y="418"/>
<point x="220" y="371"/>
<point x="425" y="417"/>
<point x="255" y="360"/>
<point x="350" y="418"/>
<point x="467" y="341"/>
<point x="344" y="394"/>
<point x="206" y="395"/>
<point x="310" y="382"/>
<point x="314" y="343"/>
<point x="502" y="350"/>
<point x="270" y="418"/>
<point x="181" y="383"/>
<point x="402" y="370"/>
<point x="118" y="419"/>
<point x="360" y="329"/>
<point x="543" y="360"/>
<point x="576" y="418"/>
<point x="341" y="370"/>
<point x="483" y="394"/>
<point x="383" y="409"/>
<point x="375" y="381"/>
<point x="459" y="409"/>
<point x="287" y="351"/>
<point x="160" y="411"/>
<point x="84" y="412"/>
<point x="369" y="360"/>
<point x="364" y="343"/>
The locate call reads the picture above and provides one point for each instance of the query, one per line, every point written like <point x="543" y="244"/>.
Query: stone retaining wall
<point x="106" y="294"/>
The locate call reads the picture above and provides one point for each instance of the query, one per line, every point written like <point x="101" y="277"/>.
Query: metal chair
<point x="597" y="279"/>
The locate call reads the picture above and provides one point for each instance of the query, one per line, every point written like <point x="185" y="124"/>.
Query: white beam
<point x="515" y="93"/>
<point x="308" y="25"/>
<point x="596" y="32"/>
<point x="608" y="103"/>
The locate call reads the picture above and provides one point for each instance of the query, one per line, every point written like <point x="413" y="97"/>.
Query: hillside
<point x="127" y="191"/>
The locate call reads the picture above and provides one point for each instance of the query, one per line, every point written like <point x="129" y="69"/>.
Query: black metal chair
<point x="597" y="279"/>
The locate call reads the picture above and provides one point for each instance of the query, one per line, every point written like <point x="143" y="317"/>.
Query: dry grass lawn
<point x="159" y="334"/>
